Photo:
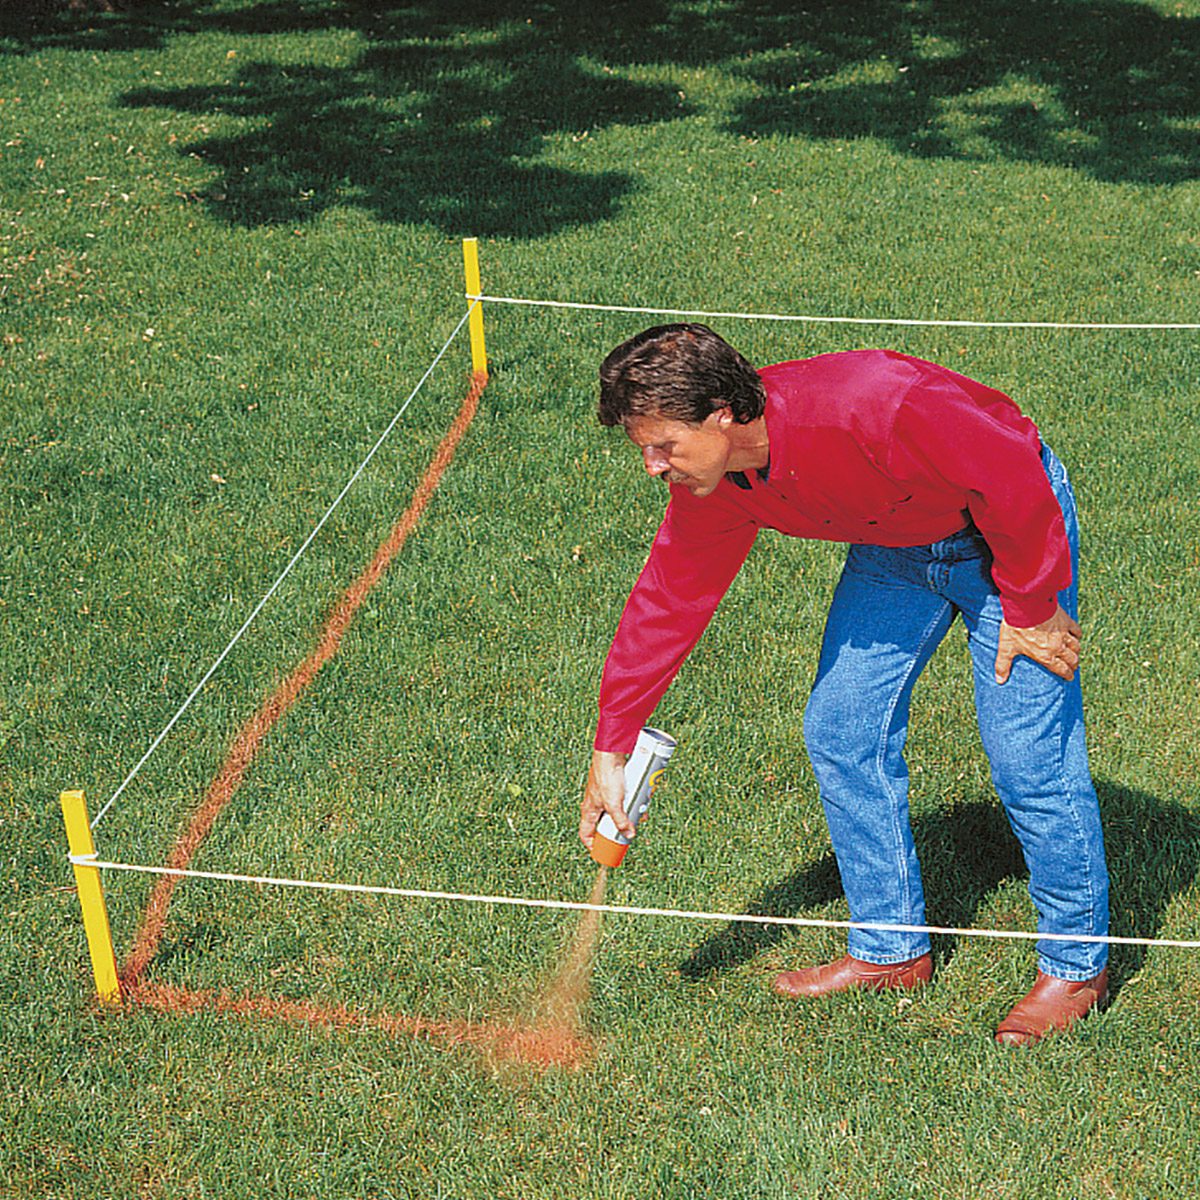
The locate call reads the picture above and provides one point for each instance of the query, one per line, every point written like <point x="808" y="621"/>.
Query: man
<point x="951" y="506"/>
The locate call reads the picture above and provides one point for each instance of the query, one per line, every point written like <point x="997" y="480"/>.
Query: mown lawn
<point x="229" y="247"/>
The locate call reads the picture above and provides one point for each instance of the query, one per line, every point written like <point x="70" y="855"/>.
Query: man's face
<point x="694" y="456"/>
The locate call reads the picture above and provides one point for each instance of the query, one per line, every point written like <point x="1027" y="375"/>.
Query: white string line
<point x="745" y="316"/>
<point x="283" y="575"/>
<point x="90" y="860"/>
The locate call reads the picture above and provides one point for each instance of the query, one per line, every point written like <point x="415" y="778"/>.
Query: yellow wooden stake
<point x="91" y="899"/>
<point x="475" y="325"/>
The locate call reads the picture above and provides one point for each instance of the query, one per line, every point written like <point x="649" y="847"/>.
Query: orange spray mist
<point x="554" y="1031"/>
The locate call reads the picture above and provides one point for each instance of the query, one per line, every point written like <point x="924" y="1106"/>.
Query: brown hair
<point x="682" y="372"/>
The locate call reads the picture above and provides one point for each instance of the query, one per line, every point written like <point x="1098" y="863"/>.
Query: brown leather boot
<point x="1051" y="1004"/>
<point x="849" y="973"/>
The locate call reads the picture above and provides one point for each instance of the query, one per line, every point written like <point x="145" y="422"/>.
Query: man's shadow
<point x="1153" y="855"/>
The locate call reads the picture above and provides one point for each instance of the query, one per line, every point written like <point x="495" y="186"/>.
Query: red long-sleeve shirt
<point x="865" y="446"/>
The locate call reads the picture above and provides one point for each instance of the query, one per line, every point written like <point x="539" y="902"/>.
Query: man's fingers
<point x="591" y="814"/>
<point x="604" y="793"/>
<point x="1066" y="658"/>
<point x="1066" y="661"/>
<point x="589" y="817"/>
<point x="588" y="823"/>
<point x="1004" y="658"/>
<point x="1055" y="645"/>
<point x="587" y="828"/>
<point x="622" y="822"/>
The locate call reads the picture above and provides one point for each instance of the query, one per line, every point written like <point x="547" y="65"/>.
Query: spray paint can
<point x="642" y="773"/>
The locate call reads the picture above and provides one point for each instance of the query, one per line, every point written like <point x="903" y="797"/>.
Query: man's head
<point x="689" y="401"/>
<point x="681" y="373"/>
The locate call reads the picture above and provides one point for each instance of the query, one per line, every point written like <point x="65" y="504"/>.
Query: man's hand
<point x="1054" y="644"/>
<point x="605" y="793"/>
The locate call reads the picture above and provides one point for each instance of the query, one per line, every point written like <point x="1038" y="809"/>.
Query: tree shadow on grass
<point x="434" y="120"/>
<point x="1153" y="856"/>
<point x="433" y="114"/>
<point x="453" y="145"/>
<point x="445" y="113"/>
<point x="1107" y="88"/>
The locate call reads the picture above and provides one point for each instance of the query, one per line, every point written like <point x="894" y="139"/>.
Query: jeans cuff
<point x="1070" y="974"/>
<point x="886" y="958"/>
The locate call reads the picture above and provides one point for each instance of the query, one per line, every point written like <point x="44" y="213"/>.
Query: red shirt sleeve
<point x="965" y="433"/>
<point x="697" y="551"/>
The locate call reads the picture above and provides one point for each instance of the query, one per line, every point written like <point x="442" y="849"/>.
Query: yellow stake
<point x="475" y="325"/>
<point x="91" y="899"/>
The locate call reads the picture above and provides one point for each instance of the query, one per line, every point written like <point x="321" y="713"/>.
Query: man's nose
<point x="655" y="461"/>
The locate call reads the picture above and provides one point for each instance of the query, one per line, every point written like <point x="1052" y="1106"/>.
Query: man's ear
<point x="724" y="416"/>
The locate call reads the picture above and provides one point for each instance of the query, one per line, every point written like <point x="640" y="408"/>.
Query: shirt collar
<point x="739" y="477"/>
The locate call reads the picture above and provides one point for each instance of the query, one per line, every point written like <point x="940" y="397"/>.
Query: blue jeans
<point x="891" y="609"/>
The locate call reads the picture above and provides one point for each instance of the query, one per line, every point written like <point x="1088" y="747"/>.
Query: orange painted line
<point x="245" y="746"/>
<point x="538" y="1047"/>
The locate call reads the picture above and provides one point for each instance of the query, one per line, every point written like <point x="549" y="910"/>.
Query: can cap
<point x="607" y="852"/>
<point x="660" y="741"/>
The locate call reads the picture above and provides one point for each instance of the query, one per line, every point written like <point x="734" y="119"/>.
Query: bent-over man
<point x="951" y="505"/>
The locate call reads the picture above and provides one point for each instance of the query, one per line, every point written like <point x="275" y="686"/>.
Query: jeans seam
<point x="1060" y="482"/>
<point x="1081" y="834"/>
<point x="926" y="635"/>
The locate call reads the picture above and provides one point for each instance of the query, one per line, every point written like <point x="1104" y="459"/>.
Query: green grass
<point x="278" y="193"/>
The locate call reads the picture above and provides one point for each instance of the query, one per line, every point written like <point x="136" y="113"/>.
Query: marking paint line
<point x="362" y="466"/>
<point x="502" y="1041"/>
<point x="248" y="740"/>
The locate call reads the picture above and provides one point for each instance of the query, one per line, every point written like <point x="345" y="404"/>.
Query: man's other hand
<point x="605" y="793"/>
<point x="1054" y="644"/>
